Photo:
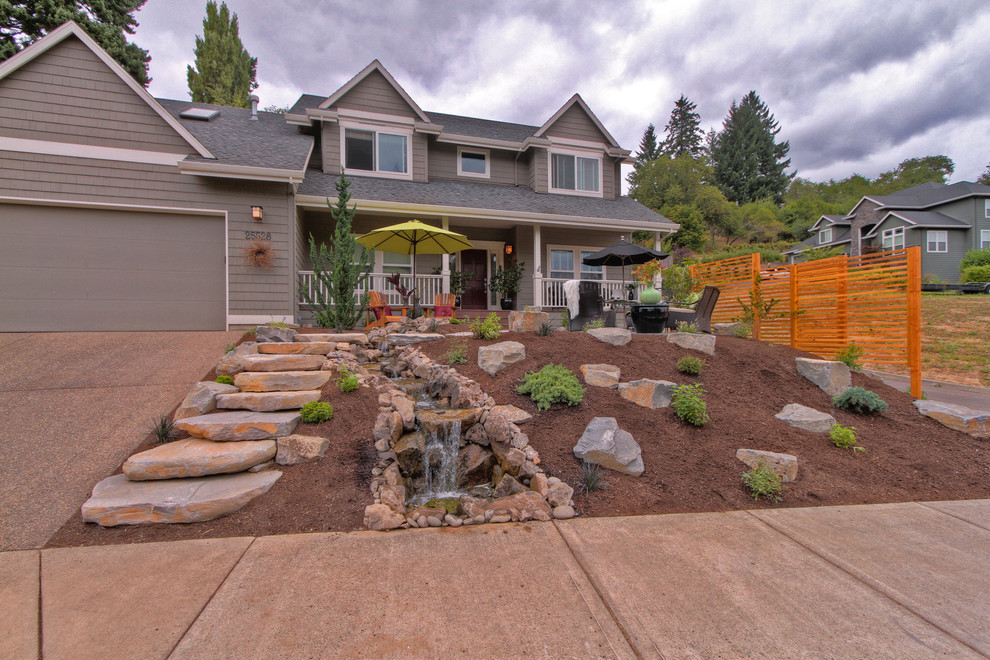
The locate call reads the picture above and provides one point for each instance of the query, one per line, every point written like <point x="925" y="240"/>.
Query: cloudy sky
<point x="857" y="86"/>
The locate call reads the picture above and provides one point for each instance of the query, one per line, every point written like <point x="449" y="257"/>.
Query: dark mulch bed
<point x="909" y="457"/>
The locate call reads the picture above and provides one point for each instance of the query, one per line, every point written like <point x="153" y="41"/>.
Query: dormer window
<point x="825" y="236"/>
<point x="473" y="162"/>
<point x="576" y="174"/>
<point x="368" y="149"/>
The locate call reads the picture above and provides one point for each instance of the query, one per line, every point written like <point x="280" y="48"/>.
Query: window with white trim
<point x="395" y="262"/>
<point x="474" y="162"/>
<point x="574" y="173"/>
<point x="984" y="239"/>
<point x="893" y="239"/>
<point x="986" y="208"/>
<point x="825" y="236"/>
<point x="938" y="240"/>
<point x="562" y="264"/>
<point x="591" y="272"/>
<point x="372" y="150"/>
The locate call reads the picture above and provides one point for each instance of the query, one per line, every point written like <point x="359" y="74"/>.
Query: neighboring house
<point x="119" y="211"/>
<point x="945" y="220"/>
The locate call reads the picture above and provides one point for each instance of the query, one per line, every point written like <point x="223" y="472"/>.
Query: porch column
<point x="657" y="242"/>
<point x="445" y="264"/>
<point x="537" y="268"/>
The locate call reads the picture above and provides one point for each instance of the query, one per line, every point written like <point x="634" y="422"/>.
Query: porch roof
<point x="460" y="198"/>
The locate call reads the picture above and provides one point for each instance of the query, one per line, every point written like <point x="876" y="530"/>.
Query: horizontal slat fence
<point x="873" y="301"/>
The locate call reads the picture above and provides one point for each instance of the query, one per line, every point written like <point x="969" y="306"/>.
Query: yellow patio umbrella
<point x="415" y="237"/>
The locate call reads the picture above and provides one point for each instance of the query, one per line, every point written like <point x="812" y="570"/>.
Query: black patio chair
<point x="701" y="315"/>
<point x="590" y="305"/>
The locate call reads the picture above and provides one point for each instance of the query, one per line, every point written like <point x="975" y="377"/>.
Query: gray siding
<point x="90" y="104"/>
<point x="576" y="125"/>
<point x="443" y="165"/>
<point x="420" y="158"/>
<point x="944" y="265"/>
<point x="330" y="147"/>
<point x="375" y="94"/>
<point x="608" y="178"/>
<point x="539" y="173"/>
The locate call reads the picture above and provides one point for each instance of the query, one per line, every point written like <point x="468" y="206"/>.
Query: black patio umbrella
<point x="622" y="254"/>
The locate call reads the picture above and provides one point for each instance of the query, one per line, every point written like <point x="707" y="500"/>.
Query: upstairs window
<point x="575" y="173"/>
<point x="893" y="239"/>
<point x="473" y="162"/>
<point x="984" y="239"/>
<point x="986" y="208"/>
<point x="376" y="151"/>
<point x="938" y="241"/>
<point x="825" y="236"/>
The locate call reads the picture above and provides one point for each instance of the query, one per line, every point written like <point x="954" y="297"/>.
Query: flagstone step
<point x="281" y="381"/>
<point x="197" y="458"/>
<point x="118" y="501"/>
<point x="267" y="401"/>
<point x="241" y="425"/>
<point x="283" y="362"/>
<point x="297" y="348"/>
<point x="333" y="338"/>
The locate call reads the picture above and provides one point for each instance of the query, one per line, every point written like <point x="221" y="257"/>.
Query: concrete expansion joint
<point x="952" y="515"/>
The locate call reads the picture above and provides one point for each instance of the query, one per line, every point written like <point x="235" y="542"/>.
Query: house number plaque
<point x="258" y="235"/>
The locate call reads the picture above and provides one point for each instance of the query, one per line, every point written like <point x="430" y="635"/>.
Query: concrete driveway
<point x="73" y="406"/>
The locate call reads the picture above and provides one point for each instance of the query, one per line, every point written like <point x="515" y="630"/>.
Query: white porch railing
<point x="428" y="286"/>
<point x="553" y="290"/>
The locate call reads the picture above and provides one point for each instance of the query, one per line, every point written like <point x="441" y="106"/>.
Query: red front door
<point x="475" y="295"/>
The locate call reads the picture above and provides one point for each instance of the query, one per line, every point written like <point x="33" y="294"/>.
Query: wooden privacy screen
<point x="873" y="301"/>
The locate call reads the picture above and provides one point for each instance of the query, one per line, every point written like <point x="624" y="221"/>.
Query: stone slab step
<point x="974" y="422"/>
<point x="117" y="501"/>
<point x="297" y="348"/>
<point x="283" y="362"/>
<point x="267" y="401"/>
<point x="197" y="458"/>
<point x="333" y="338"/>
<point x="242" y="425"/>
<point x="281" y="381"/>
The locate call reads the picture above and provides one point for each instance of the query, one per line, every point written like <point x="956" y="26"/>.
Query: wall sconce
<point x="258" y="213"/>
<point x="508" y="249"/>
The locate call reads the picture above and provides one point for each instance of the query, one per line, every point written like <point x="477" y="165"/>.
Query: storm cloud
<point x="857" y="86"/>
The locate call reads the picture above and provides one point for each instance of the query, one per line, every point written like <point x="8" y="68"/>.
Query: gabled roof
<point x="930" y="194"/>
<point x="71" y="28"/>
<point x="832" y="220"/>
<point x="482" y="128"/>
<point x="576" y="100"/>
<point x="364" y="73"/>
<point x="921" y="220"/>
<point x="842" y="235"/>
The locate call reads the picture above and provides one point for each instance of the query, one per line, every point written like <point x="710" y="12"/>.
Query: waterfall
<point x="440" y="460"/>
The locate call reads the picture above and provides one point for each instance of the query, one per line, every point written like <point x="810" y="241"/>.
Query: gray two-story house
<point x="119" y="211"/>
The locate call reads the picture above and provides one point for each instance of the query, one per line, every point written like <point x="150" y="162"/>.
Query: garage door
<point x="65" y="269"/>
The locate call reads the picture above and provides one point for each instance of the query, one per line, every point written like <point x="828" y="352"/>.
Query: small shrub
<point x="743" y="330"/>
<point x="545" y="329"/>
<point x="688" y="405"/>
<point x="163" y="429"/>
<point x="228" y="348"/>
<point x="565" y="318"/>
<point x="315" y="412"/>
<point x="347" y="381"/>
<point x="687" y="326"/>
<point x="433" y="325"/>
<point x="490" y="328"/>
<point x="225" y="380"/>
<point x="277" y="324"/>
<point x="592" y="477"/>
<point x="850" y="356"/>
<point x="690" y="365"/>
<point x="457" y="354"/>
<point x="455" y="321"/>
<point x="763" y="482"/>
<point x="844" y="437"/>
<point x="554" y="383"/>
<point x="974" y="258"/>
<point x="860" y="400"/>
<point x="976" y="274"/>
<point x="591" y="325"/>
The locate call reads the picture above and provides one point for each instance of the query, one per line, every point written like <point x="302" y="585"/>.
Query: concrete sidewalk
<point x="876" y="581"/>
<point x="969" y="396"/>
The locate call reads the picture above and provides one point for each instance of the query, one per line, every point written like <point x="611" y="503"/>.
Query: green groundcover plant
<point x="315" y="412"/>
<point x="554" y="383"/>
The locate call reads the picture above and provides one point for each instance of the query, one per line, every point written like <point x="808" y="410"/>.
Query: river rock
<point x="380" y="517"/>
<point x="267" y="401"/>
<point x="296" y="348"/>
<point x="831" y="376"/>
<point x="495" y="357"/>
<point x="232" y="363"/>
<point x="284" y="381"/>
<point x="605" y="444"/>
<point x="270" y="333"/>
<point x="528" y="505"/>
<point x="197" y="458"/>
<point x="694" y="341"/>
<point x="118" y="501"/>
<point x="239" y="425"/>
<point x="648" y="393"/>
<point x="512" y="414"/>
<point x="974" y="422"/>
<point x="563" y="512"/>
<point x="785" y="465"/>
<point x="202" y="398"/>
<point x="283" y="362"/>
<point x="613" y="336"/>
<point x="527" y="320"/>
<point x="601" y="375"/>
<point x="295" y="449"/>
<point x="806" y="418"/>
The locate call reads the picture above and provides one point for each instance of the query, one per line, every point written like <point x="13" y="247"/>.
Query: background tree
<point x="985" y="177"/>
<point x="749" y="162"/>
<point x="22" y="22"/>
<point x="914" y="171"/>
<point x="684" y="134"/>
<point x="648" y="147"/>
<point x="224" y="73"/>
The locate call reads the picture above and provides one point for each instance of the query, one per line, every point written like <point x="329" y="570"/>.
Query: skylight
<point x="203" y="114"/>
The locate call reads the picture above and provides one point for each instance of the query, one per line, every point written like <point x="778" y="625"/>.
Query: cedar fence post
<point x="914" y="318"/>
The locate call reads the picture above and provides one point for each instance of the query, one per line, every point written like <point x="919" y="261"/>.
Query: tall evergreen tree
<point x="749" y="162"/>
<point x="22" y="22"/>
<point x="684" y="134"/>
<point x="648" y="147"/>
<point x="224" y="73"/>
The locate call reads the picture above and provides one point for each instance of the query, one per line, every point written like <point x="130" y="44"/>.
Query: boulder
<point x="232" y="363"/>
<point x="409" y="338"/>
<point x="392" y="475"/>
<point x="380" y="517"/>
<point x="296" y="348"/>
<point x="466" y="394"/>
<point x="406" y="408"/>
<point x="512" y="414"/>
<point x="726" y="329"/>
<point x="283" y="381"/>
<point x="283" y="362"/>
<point x="474" y="466"/>
<point x="648" y="393"/>
<point x="830" y="376"/>
<point x="508" y="486"/>
<point x="477" y="435"/>
<point x="539" y="484"/>
<point x="974" y="422"/>
<point x="270" y="333"/>
<point x="563" y="512"/>
<point x="197" y="458"/>
<point x="202" y="398"/>
<point x="694" y="341"/>
<point x="294" y="449"/>
<point x="806" y="418"/>
<point x="495" y="357"/>
<point x="601" y="375"/>
<point x="394" y="497"/>
<point x="118" y="501"/>
<point x="605" y="444"/>
<point x="267" y="401"/>
<point x="388" y="426"/>
<point x="786" y="465"/>
<point x="234" y="426"/>
<point x="614" y="336"/>
<point x="334" y="337"/>
<point x="559" y="494"/>
<point x="528" y="505"/>
<point x="527" y="320"/>
<point x="435" y="421"/>
<point x="499" y="429"/>
<point x="409" y="453"/>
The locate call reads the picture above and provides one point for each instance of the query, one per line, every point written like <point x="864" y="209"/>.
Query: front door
<point x="475" y="293"/>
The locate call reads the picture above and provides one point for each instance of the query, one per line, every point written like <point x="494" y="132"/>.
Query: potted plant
<point x="650" y="315"/>
<point x="646" y="273"/>
<point x="507" y="282"/>
<point x="458" y="283"/>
